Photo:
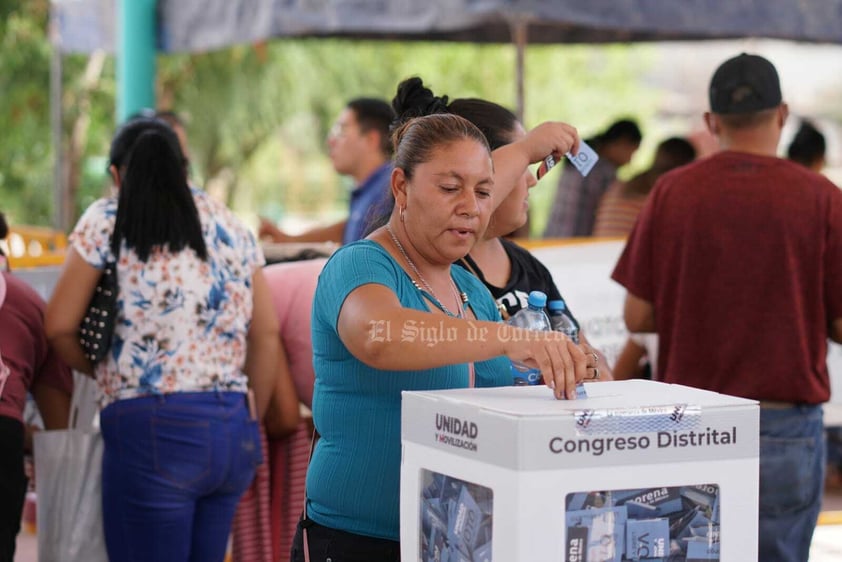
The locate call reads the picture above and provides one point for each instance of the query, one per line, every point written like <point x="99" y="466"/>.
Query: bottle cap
<point x="556" y="305"/>
<point x="537" y="299"/>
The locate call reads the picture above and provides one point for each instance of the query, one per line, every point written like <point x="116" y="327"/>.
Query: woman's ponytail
<point x="155" y="205"/>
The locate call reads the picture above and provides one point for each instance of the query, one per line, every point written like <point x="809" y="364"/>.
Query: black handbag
<point x="97" y="326"/>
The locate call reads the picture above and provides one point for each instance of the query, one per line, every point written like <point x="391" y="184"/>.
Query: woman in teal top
<point x="372" y="301"/>
<point x="359" y="412"/>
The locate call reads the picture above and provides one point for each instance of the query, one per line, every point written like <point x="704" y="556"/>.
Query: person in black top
<point x="509" y="271"/>
<point x="808" y="147"/>
<point x="527" y="274"/>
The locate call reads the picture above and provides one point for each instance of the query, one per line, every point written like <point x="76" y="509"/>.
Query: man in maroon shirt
<point x="27" y="363"/>
<point x="736" y="263"/>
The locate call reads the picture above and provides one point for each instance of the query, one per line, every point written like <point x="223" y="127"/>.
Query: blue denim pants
<point x="792" y="464"/>
<point x="173" y="470"/>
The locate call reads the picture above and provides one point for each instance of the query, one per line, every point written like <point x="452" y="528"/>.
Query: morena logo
<point x="577" y="540"/>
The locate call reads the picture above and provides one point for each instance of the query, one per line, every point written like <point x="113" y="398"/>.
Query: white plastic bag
<point x="68" y="476"/>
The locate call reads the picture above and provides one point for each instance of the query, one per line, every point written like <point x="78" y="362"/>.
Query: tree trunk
<point x="75" y="147"/>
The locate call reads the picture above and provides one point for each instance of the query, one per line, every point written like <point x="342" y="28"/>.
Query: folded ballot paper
<point x="677" y="523"/>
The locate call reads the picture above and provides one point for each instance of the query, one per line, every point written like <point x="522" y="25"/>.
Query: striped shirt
<point x="617" y="212"/>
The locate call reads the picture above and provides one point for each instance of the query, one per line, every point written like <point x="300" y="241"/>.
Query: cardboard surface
<point x="633" y="441"/>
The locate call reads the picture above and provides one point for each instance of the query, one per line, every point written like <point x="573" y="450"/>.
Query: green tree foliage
<point x="26" y="150"/>
<point x="257" y="115"/>
<point x="310" y="80"/>
<point x="278" y="107"/>
<point x="24" y="112"/>
<point x="584" y="85"/>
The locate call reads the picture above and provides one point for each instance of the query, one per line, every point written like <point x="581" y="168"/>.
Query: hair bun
<point x="413" y="99"/>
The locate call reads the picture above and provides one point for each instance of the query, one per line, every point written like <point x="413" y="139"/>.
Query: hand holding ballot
<point x="562" y="363"/>
<point x="584" y="160"/>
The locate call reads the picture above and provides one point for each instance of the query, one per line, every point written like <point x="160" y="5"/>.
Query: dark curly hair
<point x="414" y="99"/>
<point x="808" y="146"/>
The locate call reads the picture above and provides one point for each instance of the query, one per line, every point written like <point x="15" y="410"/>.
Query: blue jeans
<point x="792" y="463"/>
<point x="834" y="446"/>
<point x="173" y="470"/>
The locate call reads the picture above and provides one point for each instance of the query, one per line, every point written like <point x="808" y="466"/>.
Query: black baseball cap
<point x="744" y="84"/>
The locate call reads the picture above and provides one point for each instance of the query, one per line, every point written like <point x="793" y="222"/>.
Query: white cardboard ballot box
<point x="639" y="470"/>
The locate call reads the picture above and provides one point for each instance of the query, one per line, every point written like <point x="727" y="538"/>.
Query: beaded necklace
<point x="461" y="298"/>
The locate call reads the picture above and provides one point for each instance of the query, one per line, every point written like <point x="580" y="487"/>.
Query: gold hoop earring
<point x="402" y="209"/>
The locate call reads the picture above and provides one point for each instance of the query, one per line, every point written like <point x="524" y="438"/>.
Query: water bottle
<point x="561" y="322"/>
<point x="532" y="317"/>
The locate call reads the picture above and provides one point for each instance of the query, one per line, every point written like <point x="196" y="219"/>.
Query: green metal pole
<point x="136" y="34"/>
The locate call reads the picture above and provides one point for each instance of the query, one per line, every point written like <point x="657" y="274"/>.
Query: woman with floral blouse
<point x="194" y="330"/>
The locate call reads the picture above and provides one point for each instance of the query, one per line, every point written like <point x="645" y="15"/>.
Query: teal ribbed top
<point x="353" y="478"/>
